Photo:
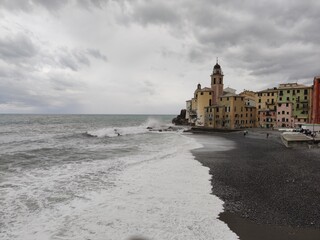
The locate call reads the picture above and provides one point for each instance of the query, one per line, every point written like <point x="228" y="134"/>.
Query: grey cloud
<point x="74" y="59"/>
<point x="29" y="5"/>
<point x="40" y="91"/>
<point x="50" y="5"/>
<point x="147" y="87"/>
<point x="154" y="12"/>
<point x="97" y="54"/>
<point x="16" y="48"/>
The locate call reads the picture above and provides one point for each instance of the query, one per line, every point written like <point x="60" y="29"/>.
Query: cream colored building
<point x="216" y="107"/>
<point x="266" y="106"/>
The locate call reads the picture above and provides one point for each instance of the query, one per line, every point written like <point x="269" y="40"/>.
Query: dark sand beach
<point x="270" y="191"/>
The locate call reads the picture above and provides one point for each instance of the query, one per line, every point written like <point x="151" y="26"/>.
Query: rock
<point x="181" y="118"/>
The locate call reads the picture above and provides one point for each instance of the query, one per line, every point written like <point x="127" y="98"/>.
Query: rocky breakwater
<point x="181" y="118"/>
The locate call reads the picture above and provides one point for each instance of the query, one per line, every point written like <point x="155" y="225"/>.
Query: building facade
<point x="266" y="107"/>
<point x="289" y="105"/>
<point x="299" y="97"/>
<point x="217" y="107"/>
<point x="315" y="119"/>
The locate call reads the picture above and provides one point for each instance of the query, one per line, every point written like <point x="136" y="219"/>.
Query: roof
<point x="217" y="66"/>
<point x="231" y="95"/>
<point x="268" y="90"/>
<point x="292" y="85"/>
<point x="229" y="90"/>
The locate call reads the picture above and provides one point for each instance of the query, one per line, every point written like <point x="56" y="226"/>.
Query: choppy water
<point x="73" y="177"/>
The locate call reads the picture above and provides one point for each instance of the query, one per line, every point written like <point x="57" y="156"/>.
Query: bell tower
<point x="216" y="83"/>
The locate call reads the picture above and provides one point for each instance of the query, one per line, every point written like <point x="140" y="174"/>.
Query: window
<point x="298" y="105"/>
<point x="259" y="106"/>
<point x="201" y="93"/>
<point x="209" y="93"/>
<point x="278" y="112"/>
<point x="227" y="99"/>
<point x="283" y="112"/>
<point x="288" y="91"/>
<point x="217" y="109"/>
<point x="260" y="100"/>
<point x="281" y="93"/>
<point x="288" y="113"/>
<point x="287" y="104"/>
<point x="306" y="92"/>
<point x="214" y="80"/>
<point x="280" y="98"/>
<point x="220" y="81"/>
<point x="287" y="98"/>
<point x="241" y="109"/>
<point x="272" y="94"/>
<point x="305" y="97"/>
<point x="209" y="102"/>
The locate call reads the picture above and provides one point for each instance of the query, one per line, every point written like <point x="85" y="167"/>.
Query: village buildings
<point x="288" y="105"/>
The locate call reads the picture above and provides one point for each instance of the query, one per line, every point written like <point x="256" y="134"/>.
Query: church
<point x="219" y="107"/>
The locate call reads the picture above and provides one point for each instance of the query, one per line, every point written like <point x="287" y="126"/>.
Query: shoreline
<point x="263" y="184"/>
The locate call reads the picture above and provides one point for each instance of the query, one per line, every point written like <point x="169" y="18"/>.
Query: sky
<point x="147" y="56"/>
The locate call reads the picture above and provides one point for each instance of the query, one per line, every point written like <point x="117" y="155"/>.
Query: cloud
<point x="17" y="48"/>
<point x="61" y="48"/>
<point x="97" y="54"/>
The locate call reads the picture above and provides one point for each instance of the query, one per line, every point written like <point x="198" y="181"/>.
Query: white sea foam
<point x="164" y="194"/>
<point x="151" y="123"/>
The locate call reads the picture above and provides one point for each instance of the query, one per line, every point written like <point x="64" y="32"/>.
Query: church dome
<point x="217" y="66"/>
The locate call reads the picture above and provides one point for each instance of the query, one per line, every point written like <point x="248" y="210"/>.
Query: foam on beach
<point x="166" y="195"/>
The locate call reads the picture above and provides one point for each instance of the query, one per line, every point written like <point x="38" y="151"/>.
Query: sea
<point x="103" y="177"/>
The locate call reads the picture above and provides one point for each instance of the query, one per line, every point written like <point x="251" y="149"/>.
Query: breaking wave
<point x="151" y="124"/>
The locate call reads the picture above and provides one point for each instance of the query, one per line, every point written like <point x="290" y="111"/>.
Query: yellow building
<point x="216" y="107"/>
<point x="266" y="106"/>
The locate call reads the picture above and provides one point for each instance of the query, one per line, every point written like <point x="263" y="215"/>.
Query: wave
<point x="151" y="124"/>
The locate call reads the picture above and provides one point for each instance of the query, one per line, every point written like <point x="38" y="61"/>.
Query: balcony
<point x="193" y="113"/>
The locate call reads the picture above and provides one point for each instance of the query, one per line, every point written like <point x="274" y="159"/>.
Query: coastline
<point x="269" y="191"/>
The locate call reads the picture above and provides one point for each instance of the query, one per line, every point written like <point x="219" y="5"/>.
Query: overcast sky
<point x="139" y="56"/>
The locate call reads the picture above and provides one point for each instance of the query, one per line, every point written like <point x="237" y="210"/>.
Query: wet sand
<point x="270" y="191"/>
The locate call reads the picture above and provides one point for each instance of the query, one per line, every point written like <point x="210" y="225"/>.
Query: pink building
<point x="267" y="118"/>
<point x="284" y="115"/>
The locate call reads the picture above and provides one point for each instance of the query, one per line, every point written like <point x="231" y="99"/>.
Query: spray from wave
<point x="151" y="124"/>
